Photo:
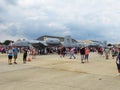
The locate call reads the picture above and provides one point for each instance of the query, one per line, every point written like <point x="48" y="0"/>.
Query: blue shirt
<point x="15" y="51"/>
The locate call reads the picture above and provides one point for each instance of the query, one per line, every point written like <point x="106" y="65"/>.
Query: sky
<point x="82" y="19"/>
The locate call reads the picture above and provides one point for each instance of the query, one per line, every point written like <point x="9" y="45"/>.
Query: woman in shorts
<point x="10" y="55"/>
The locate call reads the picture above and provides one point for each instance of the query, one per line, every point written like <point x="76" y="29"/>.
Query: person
<point x="100" y="51"/>
<point x="82" y="53"/>
<point x="10" y="55"/>
<point x="107" y="51"/>
<point x="28" y="55"/>
<point x="39" y="52"/>
<point x="118" y="62"/>
<point x="15" y="54"/>
<point x="113" y="53"/>
<point x="25" y="56"/>
<point x="62" y="52"/>
<point x="72" y="52"/>
<point x="87" y="51"/>
<point x="33" y="53"/>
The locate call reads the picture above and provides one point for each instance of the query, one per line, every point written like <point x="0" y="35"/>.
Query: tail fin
<point x="67" y="41"/>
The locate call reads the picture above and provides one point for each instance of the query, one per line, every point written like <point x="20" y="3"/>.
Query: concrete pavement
<point x="51" y="72"/>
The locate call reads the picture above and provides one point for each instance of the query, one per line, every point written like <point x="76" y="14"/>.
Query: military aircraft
<point x="56" y="42"/>
<point x="48" y="42"/>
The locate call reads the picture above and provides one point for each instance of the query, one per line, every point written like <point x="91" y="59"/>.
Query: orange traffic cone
<point x="29" y="59"/>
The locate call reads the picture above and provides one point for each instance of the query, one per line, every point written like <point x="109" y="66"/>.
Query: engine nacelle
<point x="52" y="41"/>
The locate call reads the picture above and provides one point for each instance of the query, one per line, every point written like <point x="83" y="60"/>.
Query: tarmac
<point x="50" y="72"/>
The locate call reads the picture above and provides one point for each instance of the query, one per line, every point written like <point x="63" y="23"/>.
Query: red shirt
<point x="87" y="51"/>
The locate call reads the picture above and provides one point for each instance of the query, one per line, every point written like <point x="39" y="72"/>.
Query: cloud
<point x="12" y="2"/>
<point x="82" y="19"/>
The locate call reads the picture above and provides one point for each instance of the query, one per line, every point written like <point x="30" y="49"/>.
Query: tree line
<point x="6" y="42"/>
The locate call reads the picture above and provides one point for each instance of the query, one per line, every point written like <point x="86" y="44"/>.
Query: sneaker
<point x="82" y="62"/>
<point x="15" y="63"/>
<point x="10" y="63"/>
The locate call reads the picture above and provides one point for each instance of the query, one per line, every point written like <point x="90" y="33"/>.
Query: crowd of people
<point x="14" y="51"/>
<point x="84" y="53"/>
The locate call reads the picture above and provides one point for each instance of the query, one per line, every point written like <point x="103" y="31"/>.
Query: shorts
<point x="15" y="56"/>
<point x="118" y="66"/>
<point x="82" y="57"/>
<point x="24" y="57"/>
<point x="86" y="57"/>
<point x="9" y="57"/>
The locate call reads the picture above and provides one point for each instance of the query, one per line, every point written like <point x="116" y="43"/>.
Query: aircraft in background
<point x="47" y="42"/>
<point x="37" y="43"/>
